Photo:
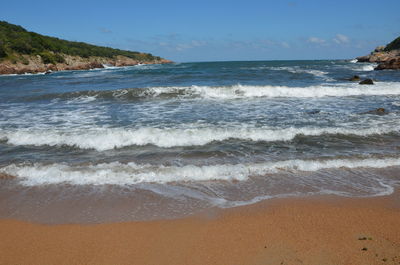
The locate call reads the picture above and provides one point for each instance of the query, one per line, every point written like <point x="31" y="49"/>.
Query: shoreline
<point x="73" y="63"/>
<point x="89" y="69"/>
<point x="313" y="230"/>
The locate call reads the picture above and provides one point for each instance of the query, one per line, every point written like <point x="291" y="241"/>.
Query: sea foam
<point x="233" y="92"/>
<point x="117" y="173"/>
<point x="102" y="139"/>
<point x="247" y="91"/>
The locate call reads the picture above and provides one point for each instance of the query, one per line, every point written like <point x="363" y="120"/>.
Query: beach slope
<point x="327" y="230"/>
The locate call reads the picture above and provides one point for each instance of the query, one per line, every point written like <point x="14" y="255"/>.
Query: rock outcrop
<point x="378" y="111"/>
<point x="387" y="57"/>
<point x="367" y="81"/>
<point x="354" y="78"/>
<point x="390" y="64"/>
<point x="23" y="51"/>
<point x="34" y="64"/>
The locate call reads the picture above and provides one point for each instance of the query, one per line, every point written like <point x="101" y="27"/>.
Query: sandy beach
<point x="317" y="230"/>
<point x="174" y="133"/>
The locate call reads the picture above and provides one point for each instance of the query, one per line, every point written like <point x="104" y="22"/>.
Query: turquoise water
<point x="190" y="136"/>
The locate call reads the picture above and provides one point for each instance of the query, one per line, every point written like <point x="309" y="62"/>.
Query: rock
<point x="386" y="58"/>
<point x="367" y="81"/>
<point x="51" y="67"/>
<point x="363" y="59"/>
<point x="94" y="65"/>
<point x="380" y="48"/>
<point x="393" y="64"/>
<point x="378" y="111"/>
<point x="5" y="176"/>
<point x="380" y="57"/>
<point x="6" y="70"/>
<point x="314" y="112"/>
<point x="355" y="78"/>
<point x="35" y="64"/>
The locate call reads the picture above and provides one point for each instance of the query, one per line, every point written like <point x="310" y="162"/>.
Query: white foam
<point x="82" y="99"/>
<point x="299" y="70"/>
<point x="247" y="91"/>
<point x="9" y="75"/>
<point x="346" y="89"/>
<point x="368" y="67"/>
<point x="127" y="174"/>
<point x="25" y="74"/>
<point x="354" y="61"/>
<point x="109" y="138"/>
<point x="111" y="67"/>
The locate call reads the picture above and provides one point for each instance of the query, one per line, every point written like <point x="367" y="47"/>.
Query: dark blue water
<point x="196" y="135"/>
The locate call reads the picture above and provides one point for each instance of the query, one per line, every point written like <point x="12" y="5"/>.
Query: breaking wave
<point x="102" y="139"/>
<point x="233" y="92"/>
<point x="368" y="68"/>
<point x="117" y="173"/>
<point x="299" y="70"/>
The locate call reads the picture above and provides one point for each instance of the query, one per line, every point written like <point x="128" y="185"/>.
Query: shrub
<point x="2" y="51"/>
<point x="21" y="46"/>
<point x="48" y="57"/>
<point x="16" y="39"/>
<point x="394" y="45"/>
<point x="24" y="60"/>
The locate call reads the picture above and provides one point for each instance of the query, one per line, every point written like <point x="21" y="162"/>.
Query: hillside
<point x="387" y="57"/>
<point x="22" y="51"/>
<point x="394" y="45"/>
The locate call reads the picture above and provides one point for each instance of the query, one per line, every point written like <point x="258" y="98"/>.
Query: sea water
<point x="163" y="141"/>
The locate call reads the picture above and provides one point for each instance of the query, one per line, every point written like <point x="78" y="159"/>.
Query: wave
<point x="24" y="74"/>
<point x="298" y="70"/>
<point x="234" y="92"/>
<point x="364" y="67"/>
<point x="110" y="66"/>
<point x="117" y="173"/>
<point x="102" y="139"/>
<point x="368" y="68"/>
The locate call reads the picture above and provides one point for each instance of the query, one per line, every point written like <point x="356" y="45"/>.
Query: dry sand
<point x="308" y="231"/>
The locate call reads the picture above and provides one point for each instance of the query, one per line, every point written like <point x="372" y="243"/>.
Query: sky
<point x="219" y="30"/>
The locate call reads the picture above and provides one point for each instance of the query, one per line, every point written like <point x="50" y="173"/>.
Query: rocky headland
<point x="35" y="64"/>
<point x="22" y="51"/>
<point x="387" y="57"/>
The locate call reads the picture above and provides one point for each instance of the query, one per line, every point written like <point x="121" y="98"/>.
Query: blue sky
<point x="206" y="30"/>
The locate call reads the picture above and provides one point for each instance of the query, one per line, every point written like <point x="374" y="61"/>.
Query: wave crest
<point x="232" y="92"/>
<point x="102" y="139"/>
<point x="125" y="174"/>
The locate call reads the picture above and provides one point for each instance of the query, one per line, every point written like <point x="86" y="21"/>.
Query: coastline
<point x="386" y="60"/>
<point x="314" y="230"/>
<point x="35" y="65"/>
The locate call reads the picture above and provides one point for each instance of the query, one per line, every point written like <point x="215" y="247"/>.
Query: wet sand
<point x="319" y="230"/>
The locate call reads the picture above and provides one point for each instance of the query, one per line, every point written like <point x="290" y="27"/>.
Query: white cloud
<point x="105" y="30"/>
<point x="316" y="40"/>
<point x="341" y="39"/>
<point x="284" y="44"/>
<point x="267" y="42"/>
<point x="190" y="45"/>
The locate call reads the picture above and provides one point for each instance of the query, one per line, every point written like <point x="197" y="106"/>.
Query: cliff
<point x="22" y="51"/>
<point x="387" y="57"/>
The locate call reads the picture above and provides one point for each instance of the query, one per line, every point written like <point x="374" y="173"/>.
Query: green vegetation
<point x="16" y="41"/>
<point x="394" y="45"/>
<point x="48" y="57"/>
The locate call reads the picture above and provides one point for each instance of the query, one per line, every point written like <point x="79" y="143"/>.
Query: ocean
<point x="153" y="142"/>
